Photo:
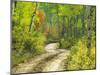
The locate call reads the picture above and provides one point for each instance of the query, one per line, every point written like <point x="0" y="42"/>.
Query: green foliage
<point x="22" y="13"/>
<point x="78" y="60"/>
<point x="70" y="10"/>
<point x="35" y="42"/>
<point x="67" y="42"/>
<point x="25" y="44"/>
<point x="62" y="23"/>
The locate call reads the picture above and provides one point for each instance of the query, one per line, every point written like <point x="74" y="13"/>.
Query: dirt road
<point x="52" y="60"/>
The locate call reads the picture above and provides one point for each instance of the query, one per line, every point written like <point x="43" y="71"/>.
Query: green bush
<point x="78" y="59"/>
<point x="67" y="43"/>
<point x="19" y="57"/>
<point x="26" y="45"/>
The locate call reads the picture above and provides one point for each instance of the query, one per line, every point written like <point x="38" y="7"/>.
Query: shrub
<point x="78" y="58"/>
<point x="67" y="43"/>
<point x="26" y="45"/>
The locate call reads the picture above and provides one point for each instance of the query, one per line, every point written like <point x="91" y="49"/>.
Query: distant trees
<point x="83" y="52"/>
<point x="34" y="24"/>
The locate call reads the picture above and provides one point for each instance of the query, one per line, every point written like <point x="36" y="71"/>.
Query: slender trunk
<point x="15" y="4"/>
<point x="70" y="26"/>
<point x="67" y="26"/>
<point x="83" y="21"/>
<point x="63" y="26"/>
<point x="83" y="25"/>
<point x="88" y="8"/>
<point x="50" y="23"/>
<point x="76" y="26"/>
<point x="32" y="19"/>
<point x="79" y="29"/>
<point x="58" y="21"/>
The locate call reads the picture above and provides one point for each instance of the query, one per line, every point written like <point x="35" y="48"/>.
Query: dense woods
<point x="36" y="24"/>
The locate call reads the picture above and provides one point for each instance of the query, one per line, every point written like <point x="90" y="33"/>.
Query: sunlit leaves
<point x="79" y="59"/>
<point x="61" y="22"/>
<point x="41" y="16"/>
<point x="39" y="19"/>
<point x="24" y="43"/>
<point x="69" y="10"/>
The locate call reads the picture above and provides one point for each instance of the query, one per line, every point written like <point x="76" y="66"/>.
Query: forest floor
<point x="53" y="60"/>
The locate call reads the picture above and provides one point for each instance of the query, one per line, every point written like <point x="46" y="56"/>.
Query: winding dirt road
<point x="52" y="60"/>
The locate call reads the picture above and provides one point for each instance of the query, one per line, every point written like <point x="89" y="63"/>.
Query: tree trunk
<point x="50" y="23"/>
<point x="58" y="20"/>
<point x="83" y="21"/>
<point x="70" y="26"/>
<point x="88" y="8"/>
<point x="76" y="31"/>
<point x="63" y="26"/>
<point x="32" y="19"/>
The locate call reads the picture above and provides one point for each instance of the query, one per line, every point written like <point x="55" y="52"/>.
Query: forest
<point x="37" y="24"/>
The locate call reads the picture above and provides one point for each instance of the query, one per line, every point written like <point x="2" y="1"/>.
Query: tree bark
<point x="63" y="26"/>
<point x="50" y="23"/>
<point x="58" y="20"/>
<point x="83" y="21"/>
<point x="88" y="8"/>
<point x="32" y="19"/>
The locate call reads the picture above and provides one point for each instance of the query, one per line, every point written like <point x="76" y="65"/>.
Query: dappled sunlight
<point x="50" y="37"/>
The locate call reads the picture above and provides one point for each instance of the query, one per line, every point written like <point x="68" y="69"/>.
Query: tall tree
<point x="88" y="9"/>
<point x="32" y="19"/>
<point x="63" y="26"/>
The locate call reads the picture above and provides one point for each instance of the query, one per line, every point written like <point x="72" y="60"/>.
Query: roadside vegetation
<point x="36" y="24"/>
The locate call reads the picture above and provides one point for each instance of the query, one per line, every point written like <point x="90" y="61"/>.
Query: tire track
<point x="52" y="60"/>
<point x="28" y="67"/>
<point x="57" y="63"/>
<point x="39" y="67"/>
<point x="52" y="63"/>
